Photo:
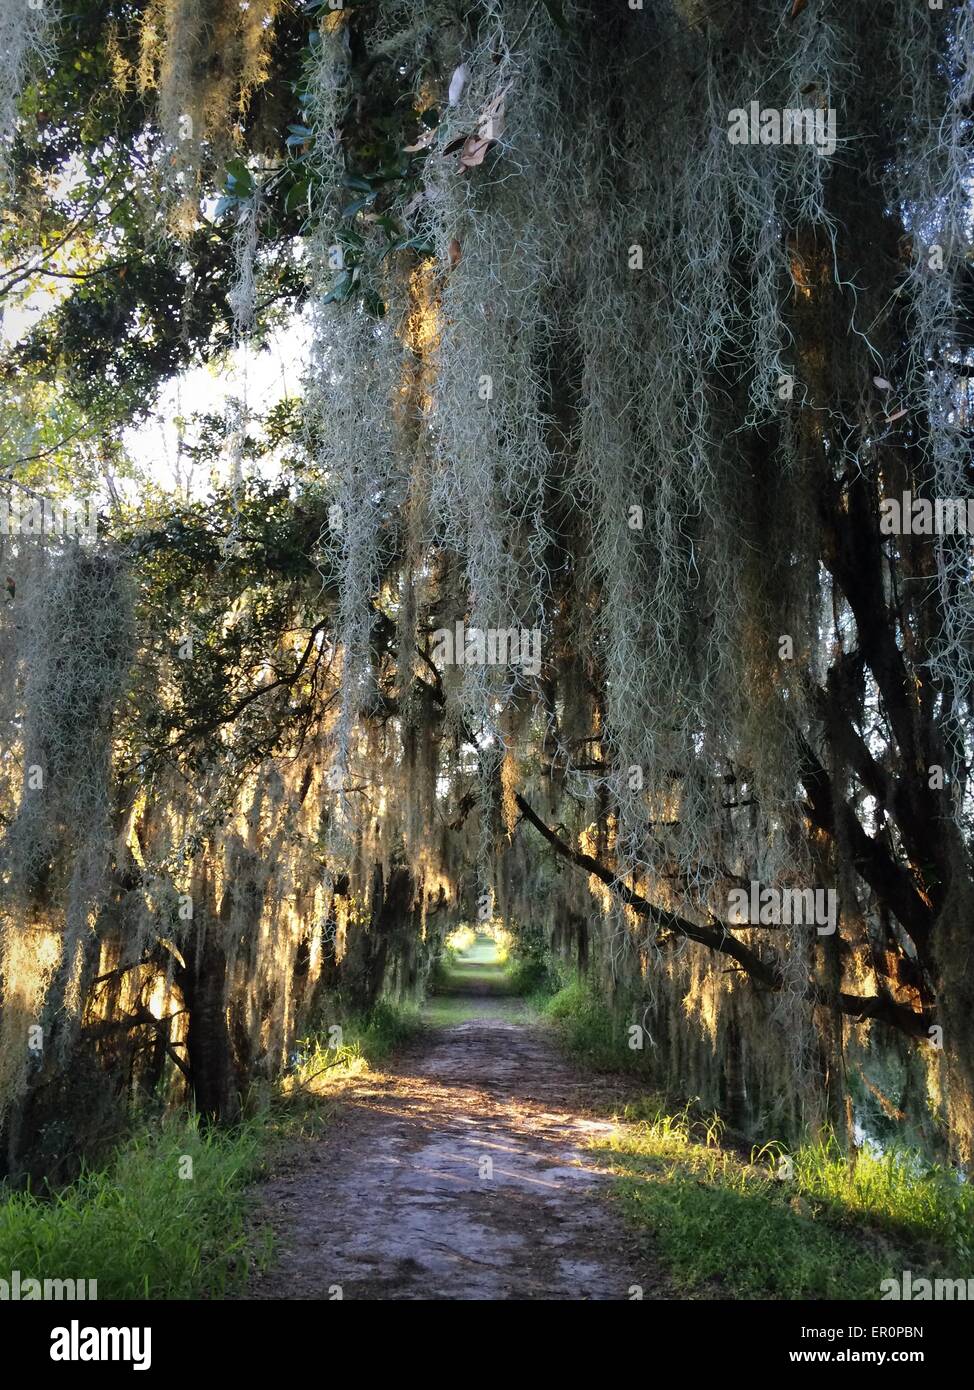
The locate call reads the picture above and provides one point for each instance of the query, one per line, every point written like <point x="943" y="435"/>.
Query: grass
<point x="833" y="1228"/>
<point x="165" y="1218"/>
<point x="490" y="958"/>
<point x="447" y="1010"/>
<point x="895" y="1191"/>
<point x="528" y="978"/>
<point x="466" y="979"/>
<point x="588" y="1028"/>
<point x="150" y="1225"/>
<point x="815" y="1223"/>
<point x="365" y="1040"/>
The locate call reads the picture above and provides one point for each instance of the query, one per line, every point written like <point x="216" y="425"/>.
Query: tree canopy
<point x="572" y="588"/>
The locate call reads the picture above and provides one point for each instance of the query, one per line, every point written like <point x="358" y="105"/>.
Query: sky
<point x="259" y="378"/>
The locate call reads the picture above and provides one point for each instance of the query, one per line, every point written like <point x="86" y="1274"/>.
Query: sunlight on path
<point x="482" y="952"/>
<point x="476" y="987"/>
<point x="460" y="1174"/>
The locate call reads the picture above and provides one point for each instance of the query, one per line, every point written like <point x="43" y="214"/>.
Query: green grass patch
<point x="470" y="959"/>
<point x="528" y="978"/>
<point x="812" y="1225"/>
<point x="382" y="1031"/>
<point x="469" y="989"/>
<point x="896" y="1191"/>
<point x="352" y="1044"/>
<point x="447" y="1010"/>
<point x="589" y="1029"/>
<point x="484" y="979"/>
<point x="164" y="1219"/>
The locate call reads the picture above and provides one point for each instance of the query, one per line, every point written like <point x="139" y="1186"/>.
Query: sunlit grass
<point x="472" y="983"/>
<point x="922" y="1206"/>
<point x="358" y="1042"/>
<point x="164" y="1219"/>
<point x="813" y="1224"/>
<point x="447" y="1010"/>
<point x="895" y="1191"/>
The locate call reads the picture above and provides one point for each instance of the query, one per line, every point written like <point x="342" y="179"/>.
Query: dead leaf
<point x="882" y="383"/>
<point x="456" y="144"/>
<point x="455" y="252"/>
<point x="474" y="151"/>
<point x="797" y="8"/>
<point x="425" y="139"/>
<point x="897" y="415"/>
<point x="491" y="123"/>
<point x="492" y="128"/>
<point x="457" y="83"/>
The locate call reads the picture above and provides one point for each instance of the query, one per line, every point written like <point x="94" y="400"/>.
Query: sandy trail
<point x="458" y="1174"/>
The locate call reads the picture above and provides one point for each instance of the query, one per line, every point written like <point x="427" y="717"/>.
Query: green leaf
<point x="420" y="244"/>
<point x="357" y="206"/>
<point x="340" y="290"/>
<point x="297" y="194"/>
<point x="239" y="178"/>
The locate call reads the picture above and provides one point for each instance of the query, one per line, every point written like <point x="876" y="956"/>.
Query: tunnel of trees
<point x="573" y="586"/>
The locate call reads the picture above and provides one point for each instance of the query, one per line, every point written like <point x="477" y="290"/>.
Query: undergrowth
<point x="165" y="1218"/>
<point x="808" y="1225"/>
<point x="354" y="1043"/>
<point x="588" y="1027"/>
<point x="813" y="1222"/>
<point x="528" y="977"/>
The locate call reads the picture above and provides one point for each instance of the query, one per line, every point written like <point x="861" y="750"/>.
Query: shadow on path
<point x="458" y="1174"/>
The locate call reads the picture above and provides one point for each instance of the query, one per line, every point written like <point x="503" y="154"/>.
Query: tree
<point x="627" y="328"/>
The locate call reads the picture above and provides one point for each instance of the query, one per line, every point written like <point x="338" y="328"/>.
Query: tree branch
<point x="881" y="1008"/>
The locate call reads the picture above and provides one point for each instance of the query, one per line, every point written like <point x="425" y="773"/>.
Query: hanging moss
<point x="584" y="370"/>
<point x="626" y="367"/>
<point x="26" y="42"/>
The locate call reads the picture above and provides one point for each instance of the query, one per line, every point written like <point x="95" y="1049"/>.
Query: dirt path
<point x="459" y="1174"/>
